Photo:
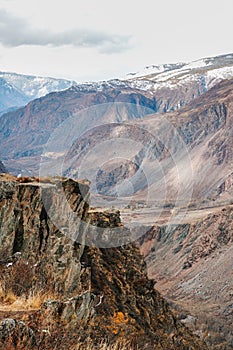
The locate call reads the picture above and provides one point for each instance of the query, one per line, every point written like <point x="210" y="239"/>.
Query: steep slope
<point x="100" y="293"/>
<point x="205" y="127"/>
<point x="192" y="264"/>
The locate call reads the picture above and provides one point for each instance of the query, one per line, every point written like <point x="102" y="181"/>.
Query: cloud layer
<point x="15" y="32"/>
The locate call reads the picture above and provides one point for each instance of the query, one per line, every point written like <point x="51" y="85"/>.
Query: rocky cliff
<point x="91" y="293"/>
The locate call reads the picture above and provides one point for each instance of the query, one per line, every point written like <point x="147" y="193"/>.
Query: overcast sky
<point x="102" y="39"/>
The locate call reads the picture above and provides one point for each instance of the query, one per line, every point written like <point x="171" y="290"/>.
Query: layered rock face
<point x="26" y="228"/>
<point x="100" y="293"/>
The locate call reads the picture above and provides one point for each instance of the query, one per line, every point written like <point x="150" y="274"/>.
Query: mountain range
<point x="161" y="81"/>
<point x="202" y="118"/>
<point x="175" y="85"/>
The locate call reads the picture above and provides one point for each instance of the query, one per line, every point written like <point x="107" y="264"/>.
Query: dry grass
<point x="23" y="345"/>
<point x="21" y="287"/>
<point x="119" y="345"/>
<point x="32" y="301"/>
<point x="6" y="297"/>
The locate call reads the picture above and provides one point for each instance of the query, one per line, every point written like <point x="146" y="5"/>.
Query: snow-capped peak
<point x="209" y="71"/>
<point x="154" y="69"/>
<point x="155" y="72"/>
<point x="34" y="86"/>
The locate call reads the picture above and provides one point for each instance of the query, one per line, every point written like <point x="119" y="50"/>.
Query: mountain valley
<point x="144" y="164"/>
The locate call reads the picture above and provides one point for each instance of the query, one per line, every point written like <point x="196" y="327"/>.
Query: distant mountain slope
<point x="184" y="156"/>
<point x="205" y="126"/>
<point x="10" y="96"/>
<point x="204" y="123"/>
<point x="24" y="132"/>
<point x="17" y="90"/>
<point x="213" y="69"/>
<point x="175" y="85"/>
<point x="35" y="86"/>
<point x="171" y="85"/>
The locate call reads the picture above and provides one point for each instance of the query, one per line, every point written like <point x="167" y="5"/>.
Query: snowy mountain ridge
<point x="16" y="90"/>
<point x="35" y="86"/>
<point x="205" y="63"/>
<point x="197" y="77"/>
<point x="209" y="70"/>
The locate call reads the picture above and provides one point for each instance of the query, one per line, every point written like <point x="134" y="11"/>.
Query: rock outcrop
<point x="97" y="293"/>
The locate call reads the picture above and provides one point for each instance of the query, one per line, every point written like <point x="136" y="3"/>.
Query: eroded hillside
<point x="192" y="264"/>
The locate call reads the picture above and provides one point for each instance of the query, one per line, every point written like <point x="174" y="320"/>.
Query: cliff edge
<point x="57" y="292"/>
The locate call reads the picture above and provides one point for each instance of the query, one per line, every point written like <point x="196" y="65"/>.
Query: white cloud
<point x="17" y="32"/>
<point x="106" y="39"/>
